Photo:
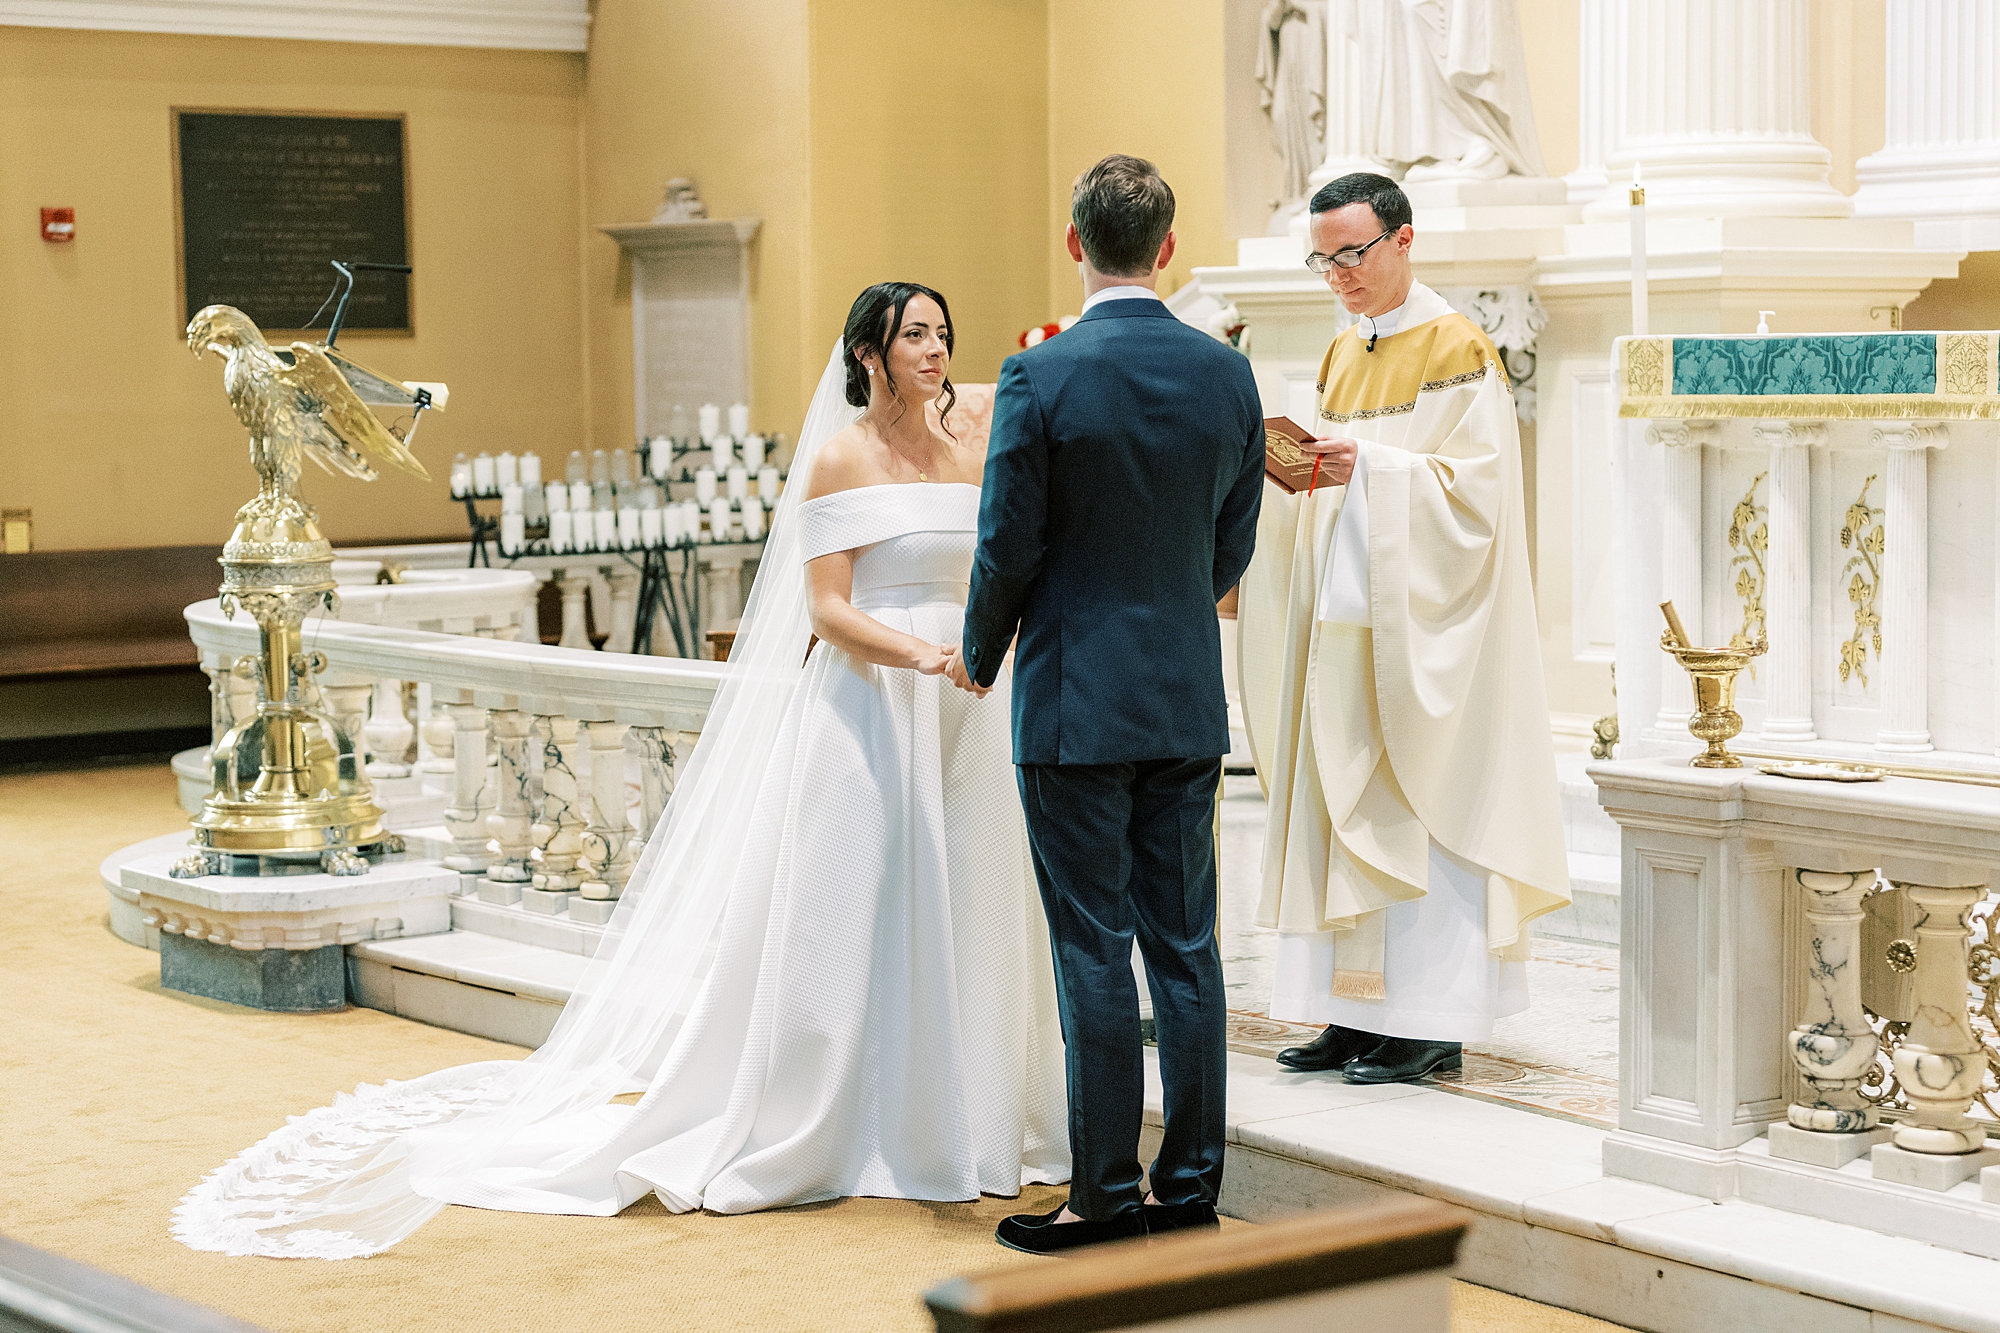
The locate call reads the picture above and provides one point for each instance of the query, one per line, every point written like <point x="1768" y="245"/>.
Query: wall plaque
<point x="265" y="200"/>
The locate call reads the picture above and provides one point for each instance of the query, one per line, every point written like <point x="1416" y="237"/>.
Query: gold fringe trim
<point x="1359" y="986"/>
<point x="1816" y="407"/>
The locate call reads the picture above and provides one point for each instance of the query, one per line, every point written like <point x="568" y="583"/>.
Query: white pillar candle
<point x="704" y="485"/>
<point x="1641" y="318"/>
<point x="659" y="456"/>
<point x="718" y="519"/>
<point x="606" y="523"/>
<point x="711" y="422"/>
<point x="558" y="528"/>
<point x="739" y="421"/>
<point x="511" y="532"/>
<point x="579" y="496"/>
<point x="739" y="483"/>
<point x="649" y="528"/>
<point x="690" y="520"/>
<point x="506" y="469"/>
<point x="482" y="474"/>
<point x="621" y="469"/>
<point x="531" y="469"/>
<point x="533" y="508"/>
<point x="628" y="527"/>
<point x="753" y="453"/>
<point x="510" y="498"/>
<point x="767" y="485"/>
<point x="670" y="526"/>
<point x="461" y="476"/>
<point x="558" y="497"/>
<point x="724" y="454"/>
<point x="753" y="521"/>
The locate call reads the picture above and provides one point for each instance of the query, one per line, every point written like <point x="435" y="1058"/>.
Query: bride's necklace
<point x="923" y="469"/>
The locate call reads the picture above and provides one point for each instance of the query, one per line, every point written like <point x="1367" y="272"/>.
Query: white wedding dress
<point x="879" y="1014"/>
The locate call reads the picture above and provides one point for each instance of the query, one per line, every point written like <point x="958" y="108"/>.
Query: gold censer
<point x="1713" y="673"/>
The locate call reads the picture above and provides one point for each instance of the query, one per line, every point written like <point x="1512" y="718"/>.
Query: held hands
<point x="1338" y="453"/>
<point x="956" y="673"/>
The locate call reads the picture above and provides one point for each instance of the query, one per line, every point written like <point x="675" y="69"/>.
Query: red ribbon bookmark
<point x="1317" y="460"/>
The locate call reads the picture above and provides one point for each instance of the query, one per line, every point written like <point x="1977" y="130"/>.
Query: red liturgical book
<point x="1284" y="461"/>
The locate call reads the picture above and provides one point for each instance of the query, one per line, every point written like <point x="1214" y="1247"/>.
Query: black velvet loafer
<point x="1040" y="1233"/>
<point x="1162" y="1217"/>
<point x="1404" y="1060"/>
<point x="1331" y="1049"/>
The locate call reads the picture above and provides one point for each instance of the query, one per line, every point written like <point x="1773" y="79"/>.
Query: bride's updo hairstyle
<point x="872" y="326"/>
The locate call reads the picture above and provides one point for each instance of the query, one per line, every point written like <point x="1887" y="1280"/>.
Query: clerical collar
<point x="1382" y="325"/>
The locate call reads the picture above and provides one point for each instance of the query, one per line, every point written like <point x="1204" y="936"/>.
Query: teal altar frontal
<point x="1837" y="494"/>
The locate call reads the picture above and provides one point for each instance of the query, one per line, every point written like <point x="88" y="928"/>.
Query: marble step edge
<point x="1522" y="1168"/>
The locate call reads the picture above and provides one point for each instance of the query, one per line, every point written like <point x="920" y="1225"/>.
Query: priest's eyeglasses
<point x="1351" y="257"/>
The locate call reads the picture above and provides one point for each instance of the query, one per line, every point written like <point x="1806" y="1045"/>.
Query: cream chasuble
<point x="1392" y="677"/>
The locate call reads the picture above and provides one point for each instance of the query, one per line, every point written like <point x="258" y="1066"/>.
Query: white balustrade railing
<point x="523" y="749"/>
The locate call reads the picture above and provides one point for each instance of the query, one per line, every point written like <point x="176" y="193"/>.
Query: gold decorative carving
<point x="1646" y="367"/>
<point x="1862" y="534"/>
<point x="1965" y="363"/>
<point x="1983" y="1004"/>
<point x="1750" y="538"/>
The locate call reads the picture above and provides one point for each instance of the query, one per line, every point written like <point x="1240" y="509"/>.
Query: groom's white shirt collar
<point x="1120" y="293"/>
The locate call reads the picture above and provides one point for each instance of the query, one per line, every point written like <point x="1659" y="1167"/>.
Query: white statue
<point x="1291" y="74"/>
<point x="682" y="203"/>
<point x="1445" y="88"/>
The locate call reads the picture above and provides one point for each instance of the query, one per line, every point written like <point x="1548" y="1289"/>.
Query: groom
<point x="1122" y="483"/>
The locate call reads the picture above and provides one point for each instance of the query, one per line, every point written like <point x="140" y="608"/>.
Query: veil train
<point x="353" y="1178"/>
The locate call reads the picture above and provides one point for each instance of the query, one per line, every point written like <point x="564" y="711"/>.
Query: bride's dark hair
<point x="872" y="325"/>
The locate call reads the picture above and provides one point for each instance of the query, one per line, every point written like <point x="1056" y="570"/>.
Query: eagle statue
<point x="302" y="400"/>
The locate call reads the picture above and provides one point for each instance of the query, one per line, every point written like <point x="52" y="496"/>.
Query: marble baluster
<point x="611" y="845"/>
<point x="575" y="588"/>
<point x="465" y="818"/>
<point x="1904" y="601"/>
<point x="624" y="581"/>
<point x="511" y="822"/>
<point x="388" y="732"/>
<point x="656" y="775"/>
<point x="348" y="706"/>
<point x="559" y="825"/>
<point x="438" y="762"/>
<point x="1941" y="1063"/>
<point x="1788" y="580"/>
<point x="1833" y="1045"/>
<point x="1680" y="552"/>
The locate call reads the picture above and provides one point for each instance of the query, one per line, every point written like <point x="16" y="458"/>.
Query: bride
<point x="829" y="974"/>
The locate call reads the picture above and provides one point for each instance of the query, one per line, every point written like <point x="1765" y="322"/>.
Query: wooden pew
<point x="1384" y="1268"/>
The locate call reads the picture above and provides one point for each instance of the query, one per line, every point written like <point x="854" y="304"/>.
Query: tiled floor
<point x="1559" y="1057"/>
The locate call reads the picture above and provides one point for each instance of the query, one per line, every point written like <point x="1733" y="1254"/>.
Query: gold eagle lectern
<point x="289" y="781"/>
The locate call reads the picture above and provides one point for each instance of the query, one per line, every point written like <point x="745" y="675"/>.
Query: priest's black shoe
<point x="1040" y="1233"/>
<point x="1162" y="1217"/>
<point x="1403" y="1060"/>
<point x="1331" y="1049"/>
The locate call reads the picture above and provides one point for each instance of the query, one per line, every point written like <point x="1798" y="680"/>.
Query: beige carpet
<point x="116" y="1096"/>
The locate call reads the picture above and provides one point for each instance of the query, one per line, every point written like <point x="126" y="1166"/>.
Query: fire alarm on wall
<point x="59" y="224"/>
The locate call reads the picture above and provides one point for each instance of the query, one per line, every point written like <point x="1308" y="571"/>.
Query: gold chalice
<point x="1713" y="672"/>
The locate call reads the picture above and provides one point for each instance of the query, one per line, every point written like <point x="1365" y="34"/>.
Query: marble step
<point x="1592" y="915"/>
<point x="503" y="989"/>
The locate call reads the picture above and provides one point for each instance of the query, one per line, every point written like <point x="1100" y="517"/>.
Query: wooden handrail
<point x="1134" y="1282"/>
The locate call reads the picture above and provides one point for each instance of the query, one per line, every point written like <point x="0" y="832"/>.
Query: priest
<point x="1392" y="679"/>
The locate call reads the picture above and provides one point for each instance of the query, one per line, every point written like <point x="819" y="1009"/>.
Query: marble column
<point x="1600" y="94"/>
<point x="575" y="588"/>
<point x="465" y="818"/>
<point x="559" y="822"/>
<point x="1718" y="111"/>
<point x="1788" y="580"/>
<point x="511" y="822"/>
<point x="1904" y="599"/>
<point x="1833" y="1045"/>
<point x="1940" y="158"/>
<point x="1941" y="1063"/>
<point x="1680" y="552"/>
<point x="609" y="843"/>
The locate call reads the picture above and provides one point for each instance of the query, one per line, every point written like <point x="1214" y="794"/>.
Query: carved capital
<point x="1789" y="434"/>
<point x="1909" y="435"/>
<point x="1682" y="434"/>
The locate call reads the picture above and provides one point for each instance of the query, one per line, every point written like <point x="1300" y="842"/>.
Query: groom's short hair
<point x="1391" y="205"/>
<point x="1123" y="212"/>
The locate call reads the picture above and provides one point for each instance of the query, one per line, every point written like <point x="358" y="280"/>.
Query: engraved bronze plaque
<point x="264" y="200"/>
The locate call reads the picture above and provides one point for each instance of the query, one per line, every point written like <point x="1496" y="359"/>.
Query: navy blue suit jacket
<point x="1122" y="483"/>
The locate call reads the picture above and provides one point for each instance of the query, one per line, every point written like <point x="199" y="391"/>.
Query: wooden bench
<point x="77" y="614"/>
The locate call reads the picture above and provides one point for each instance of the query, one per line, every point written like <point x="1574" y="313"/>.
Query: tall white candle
<point x="739" y="421"/>
<point x="1640" y="320"/>
<point x="724" y="450"/>
<point x="507" y="469"/>
<point x="531" y="469"/>
<point x="558" y="497"/>
<point x="753" y="521"/>
<point x="670" y="525"/>
<point x="739" y="483"/>
<point x="711" y="422"/>
<point x="512" y="533"/>
<point x="753" y="453"/>
<point x="579" y="496"/>
<point x="704" y="485"/>
<point x="607" y="529"/>
<point x="718" y="519"/>
<point x="510" y="498"/>
<point x="649" y="527"/>
<point x="659" y="456"/>
<point x="690" y="520"/>
<point x="482" y="474"/>
<point x="558" y="528"/>
<point x="767" y="485"/>
<point x="461" y="476"/>
<point x="628" y="527"/>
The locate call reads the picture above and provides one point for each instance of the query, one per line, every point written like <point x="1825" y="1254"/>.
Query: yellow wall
<point x="1146" y="80"/>
<point x="112" y="433"/>
<point x="931" y="170"/>
<point x="718" y="92"/>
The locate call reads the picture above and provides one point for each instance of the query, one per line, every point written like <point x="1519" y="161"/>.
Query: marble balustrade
<point x="525" y="748"/>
